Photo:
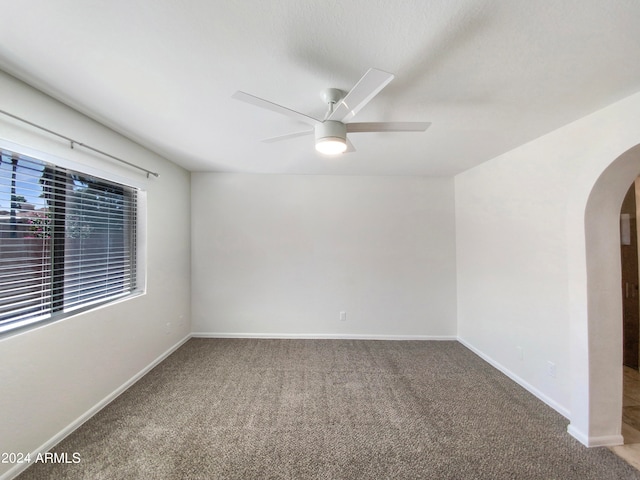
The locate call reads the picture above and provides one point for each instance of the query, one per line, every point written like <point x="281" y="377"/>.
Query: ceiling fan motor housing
<point x="331" y="130"/>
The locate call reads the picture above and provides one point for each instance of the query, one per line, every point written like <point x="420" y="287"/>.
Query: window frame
<point x="139" y="253"/>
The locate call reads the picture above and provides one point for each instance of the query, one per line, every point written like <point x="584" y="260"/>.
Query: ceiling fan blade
<point x="387" y="127"/>
<point x="350" y="147"/>
<point x="287" y="136"/>
<point x="274" y="107"/>
<point x="367" y="87"/>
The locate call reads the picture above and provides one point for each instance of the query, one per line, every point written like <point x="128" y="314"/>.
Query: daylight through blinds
<point x="67" y="240"/>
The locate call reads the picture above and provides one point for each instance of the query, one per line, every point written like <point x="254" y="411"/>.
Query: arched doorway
<point x="597" y="392"/>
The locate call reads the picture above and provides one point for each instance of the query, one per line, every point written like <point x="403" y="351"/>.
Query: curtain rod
<point x="73" y="142"/>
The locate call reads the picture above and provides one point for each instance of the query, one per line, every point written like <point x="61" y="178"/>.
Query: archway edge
<point x="594" y="295"/>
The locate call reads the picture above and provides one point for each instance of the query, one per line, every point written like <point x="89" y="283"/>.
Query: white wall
<point x="522" y="272"/>
<point x="283" y="255"/>
<point x="53" y="375"/>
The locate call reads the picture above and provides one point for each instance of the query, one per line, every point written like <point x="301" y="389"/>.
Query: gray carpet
<point x="327" y="409"/>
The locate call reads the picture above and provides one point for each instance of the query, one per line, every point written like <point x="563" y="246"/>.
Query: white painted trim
<point x="578" y="435"/>
<point x="603" y="441"/>
<point x="322" y="336"/>
<point x="530" y="388"/>
<point x="606" y="441"/>
<point x="52" y="442"/>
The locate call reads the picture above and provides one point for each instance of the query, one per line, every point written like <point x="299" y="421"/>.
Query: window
<point x="67" y="241"/>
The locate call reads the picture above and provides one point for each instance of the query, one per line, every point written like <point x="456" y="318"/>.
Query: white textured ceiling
<point x="489" y="75"/>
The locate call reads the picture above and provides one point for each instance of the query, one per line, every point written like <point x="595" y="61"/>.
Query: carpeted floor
<point x="327" y="409"/>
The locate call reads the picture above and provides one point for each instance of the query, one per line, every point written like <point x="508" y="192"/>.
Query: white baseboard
<point x="322" y="336"/>
<point x="601" y="441"/>
<point x="530" y="388"/>
<point x="578" y="435"/>
<point x="48" y="445"/>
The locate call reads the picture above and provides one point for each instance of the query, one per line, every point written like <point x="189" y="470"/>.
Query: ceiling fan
<point x="331" y="132"/>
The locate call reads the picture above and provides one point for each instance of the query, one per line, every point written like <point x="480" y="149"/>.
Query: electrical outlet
<point x="520" y="353"/>
<point x="343" y="316"/>
<point x="168" y="329"/>
<point x="551" y="369"/>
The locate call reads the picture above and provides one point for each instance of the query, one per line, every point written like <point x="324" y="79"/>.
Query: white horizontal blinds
<point x="25" y="239"/>
<point x="98" y="259"/>
<point x="67" y="240"/>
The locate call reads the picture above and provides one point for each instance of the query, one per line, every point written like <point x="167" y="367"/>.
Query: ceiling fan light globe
<point x="331" y="145"/>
